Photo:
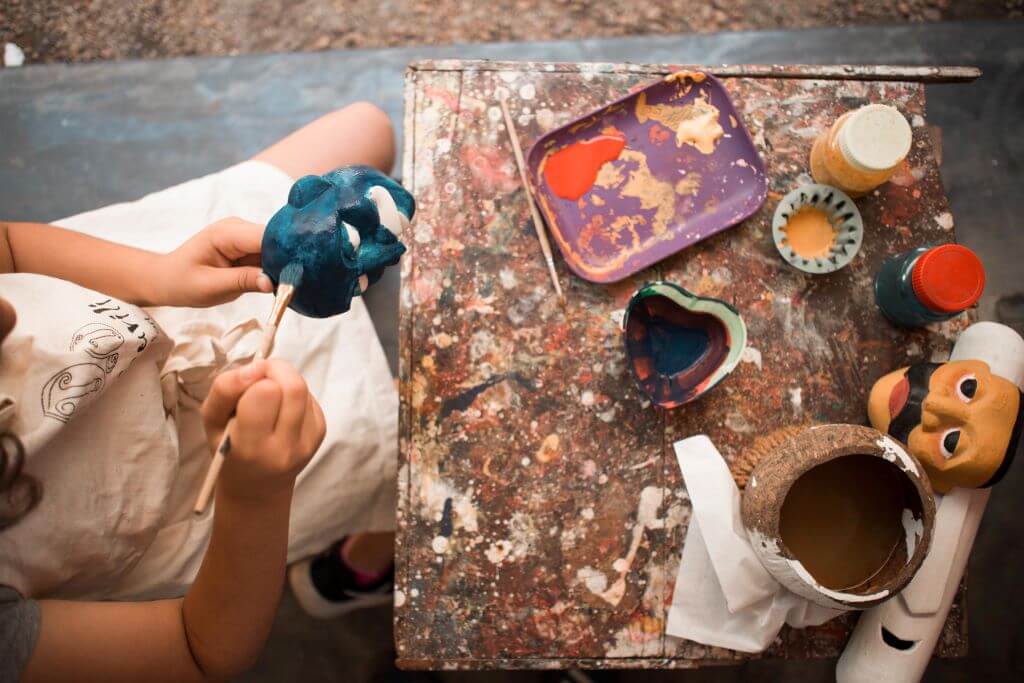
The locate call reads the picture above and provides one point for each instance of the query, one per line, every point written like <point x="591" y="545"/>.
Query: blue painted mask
<point x="341" y="227"/>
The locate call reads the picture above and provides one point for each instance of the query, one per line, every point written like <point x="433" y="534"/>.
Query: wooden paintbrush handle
<point x="538" y="223"/>
<point x="206" y="491"/>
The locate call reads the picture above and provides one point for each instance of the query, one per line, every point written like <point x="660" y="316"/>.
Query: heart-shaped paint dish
<point x="342" y="228"/>
<point x="680" y="345"/>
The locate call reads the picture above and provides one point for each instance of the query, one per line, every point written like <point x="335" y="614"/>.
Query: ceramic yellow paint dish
<point x="817" y="229"/>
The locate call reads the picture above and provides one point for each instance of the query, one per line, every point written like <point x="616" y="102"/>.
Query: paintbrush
<point x="290" y="279"/>
<point x="538" y="224"/>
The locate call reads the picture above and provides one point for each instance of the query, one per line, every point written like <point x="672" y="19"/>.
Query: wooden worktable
<point x="526" y="450"/>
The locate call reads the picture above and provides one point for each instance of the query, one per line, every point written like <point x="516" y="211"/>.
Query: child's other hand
<point x="215" y="266"/>
<point x="278" y="427"/>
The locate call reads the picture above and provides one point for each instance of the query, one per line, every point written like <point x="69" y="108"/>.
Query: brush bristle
<point x="291" y="275"/>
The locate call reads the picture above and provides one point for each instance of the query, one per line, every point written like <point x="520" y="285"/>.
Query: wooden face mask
<point x="958" y="419"/>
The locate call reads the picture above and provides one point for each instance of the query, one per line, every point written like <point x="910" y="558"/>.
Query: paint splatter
<point x="498" y="551"/>
<point x="548" y="450"/>
<point x="651" y="499"/>
<point x="751" y="355"/>
<point x="642" y="636"/>
<point x="796" y="398"/>
<point x="595" y="580"/>
<point x="439" y="544"/>
<point x="507" y="278"/>
<point x="945" y="220"/>
<point x="446" y="518"/>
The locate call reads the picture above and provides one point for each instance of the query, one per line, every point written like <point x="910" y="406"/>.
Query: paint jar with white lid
<point x="839" y="514"/>
<point x="862" y="149"/>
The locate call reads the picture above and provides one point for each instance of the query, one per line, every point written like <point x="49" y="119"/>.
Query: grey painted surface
<point x="74" y="138"/>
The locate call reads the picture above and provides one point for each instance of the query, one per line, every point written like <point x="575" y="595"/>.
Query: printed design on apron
<point x="69" y="387"/>
<point x="99" y="340"/>
<point x="66" y="390"/>
<point x="111" y="309"/>
<point x="19" y="492"/>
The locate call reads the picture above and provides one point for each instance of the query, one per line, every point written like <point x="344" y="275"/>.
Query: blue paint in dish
<point x="680" y="345"/>
<point x="310" y="229"/>
<point x="676" y="348"/>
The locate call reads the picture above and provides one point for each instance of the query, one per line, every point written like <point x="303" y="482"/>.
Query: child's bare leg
<point x="370" y="552"/>
<point x="361" y="133"/>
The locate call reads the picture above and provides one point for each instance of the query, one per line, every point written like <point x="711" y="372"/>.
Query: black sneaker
<point x="325" y="586"/>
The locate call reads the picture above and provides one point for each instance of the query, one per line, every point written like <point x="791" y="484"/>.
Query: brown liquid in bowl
<point x="843" y="519"/>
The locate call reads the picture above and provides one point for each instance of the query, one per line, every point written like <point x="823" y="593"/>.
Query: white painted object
<point x="13" y="56"/>
<point x="893" y="642"/>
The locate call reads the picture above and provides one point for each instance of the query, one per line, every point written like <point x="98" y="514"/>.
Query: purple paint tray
<point x="662" y="193"/>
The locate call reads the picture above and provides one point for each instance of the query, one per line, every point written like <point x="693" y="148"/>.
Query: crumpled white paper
<point x="723" y="595"/>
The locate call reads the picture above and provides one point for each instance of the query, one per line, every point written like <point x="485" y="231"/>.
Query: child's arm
<point x="218" y="629"/>
<point x="214" y="266"/>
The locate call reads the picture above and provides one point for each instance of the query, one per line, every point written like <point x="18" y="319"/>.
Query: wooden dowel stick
<point x="848" y="72"/>
<point x="538" y="223"/>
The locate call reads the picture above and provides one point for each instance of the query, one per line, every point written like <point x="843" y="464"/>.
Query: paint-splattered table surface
<point x="541" y="513"/>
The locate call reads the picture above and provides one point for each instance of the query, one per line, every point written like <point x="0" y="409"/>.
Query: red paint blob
<point x="570" y="172"/>
<point x="898" y="397"/>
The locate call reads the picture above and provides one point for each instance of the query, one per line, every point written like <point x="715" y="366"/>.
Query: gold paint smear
<point x="699" y="127"/>
<point x="694" y="124"/>
<point x="627" y="225"/>
<point x="652" y="193"/>
<point x="689" y="184"/>
<point x="680" y="76"/>
<point x="667" y="115"/>
<point x="623" y="226"/>
<point x="610" y="174"/>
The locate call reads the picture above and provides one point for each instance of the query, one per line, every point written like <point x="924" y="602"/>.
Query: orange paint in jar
<point x="862" y="149"/>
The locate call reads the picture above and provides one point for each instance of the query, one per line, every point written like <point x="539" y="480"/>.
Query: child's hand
<point x="278" y="427"/>
<point x="216" y="265"/>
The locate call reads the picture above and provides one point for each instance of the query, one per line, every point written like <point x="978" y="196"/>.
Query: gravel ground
<point x="87" y="30"/>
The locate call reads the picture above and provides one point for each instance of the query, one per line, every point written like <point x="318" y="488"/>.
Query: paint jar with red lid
<point x="929" y="284"/>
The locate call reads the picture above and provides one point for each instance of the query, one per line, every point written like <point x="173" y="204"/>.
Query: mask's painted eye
<point x="353" y="236"/>
<point x="949" y="442"/>
<point x="967" y="387"/>
<point x="390" y="217"/>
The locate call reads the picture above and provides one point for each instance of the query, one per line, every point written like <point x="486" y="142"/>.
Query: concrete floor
<point x="79" y="137"/>
<point x="86" y="30"/>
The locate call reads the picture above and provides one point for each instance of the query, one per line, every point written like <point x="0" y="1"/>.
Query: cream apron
<point x="106" y="402"/>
